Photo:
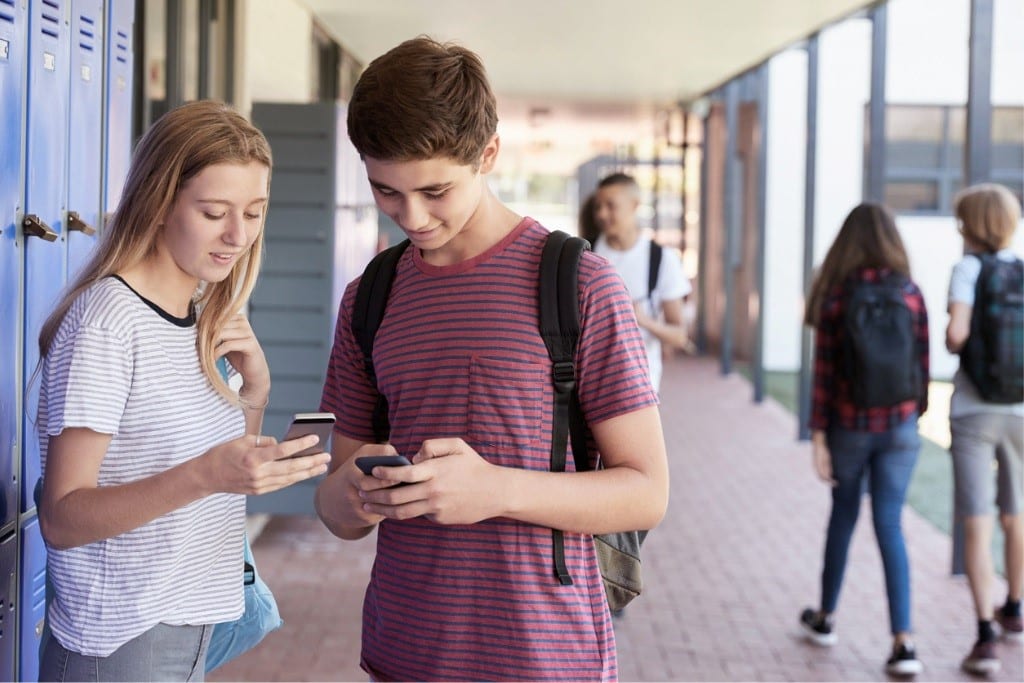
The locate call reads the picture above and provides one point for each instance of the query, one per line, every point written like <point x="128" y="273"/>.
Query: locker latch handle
<point x="75" y="222"/>
<point x="34" y="226"/>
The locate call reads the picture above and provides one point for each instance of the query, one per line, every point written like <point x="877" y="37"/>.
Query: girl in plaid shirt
<point x="852" y="441"/>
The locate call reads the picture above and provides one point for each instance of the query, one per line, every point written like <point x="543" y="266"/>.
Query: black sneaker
<point x="817" y="628"/>
<point x="904" y="662"/>
<point x="982" y="659"/>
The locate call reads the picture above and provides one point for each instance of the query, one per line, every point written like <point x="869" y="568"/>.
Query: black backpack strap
<point x="558" y="300"/>
<point x="367" y="314"/>
<point x="654" y="268"/>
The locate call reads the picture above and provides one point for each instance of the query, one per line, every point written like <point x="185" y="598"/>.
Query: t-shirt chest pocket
<point x="505" y="402"/>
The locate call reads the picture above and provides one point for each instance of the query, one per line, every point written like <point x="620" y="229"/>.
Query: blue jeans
<point x="887" y="459"/>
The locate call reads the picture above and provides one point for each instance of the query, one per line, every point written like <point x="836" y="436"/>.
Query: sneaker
<point x="982" y="659"/>
<point x="1012" y="627"/>
<point x="818" y="629"/>
<point x="904" y="662"/>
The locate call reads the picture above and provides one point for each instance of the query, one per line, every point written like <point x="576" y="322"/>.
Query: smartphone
<point x="320" y="424"/>
<point x="366" y="463"/>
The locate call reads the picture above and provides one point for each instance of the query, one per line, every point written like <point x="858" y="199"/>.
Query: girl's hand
<point x="822" y="458"/>
<point x="254" y="465"/>
<point x="239" y="345"/>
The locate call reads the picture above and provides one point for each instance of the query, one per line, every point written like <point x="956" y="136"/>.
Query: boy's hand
<point x="448" y="483"/>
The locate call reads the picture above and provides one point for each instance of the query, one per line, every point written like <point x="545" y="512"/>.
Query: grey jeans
<point x="163" y="653"/>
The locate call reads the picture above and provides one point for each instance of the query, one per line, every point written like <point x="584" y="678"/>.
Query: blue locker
<point x="85" y="137"/>
<point x="43" y="223"/>
<point x="32" y="600"/>
<point x="8" y="590"/>
<point x="13" y="44"/>
<point x="120" y="17"/>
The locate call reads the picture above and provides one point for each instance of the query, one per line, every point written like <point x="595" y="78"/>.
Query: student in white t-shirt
<point x="659" y="311"/>
<point x="146" y="451"/>
<point x="986" y="431"/>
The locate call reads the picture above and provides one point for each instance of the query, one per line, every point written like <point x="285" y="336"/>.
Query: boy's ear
<point x="490" y="154"/>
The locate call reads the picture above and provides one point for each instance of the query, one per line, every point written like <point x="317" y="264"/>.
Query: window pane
<point x="911" y="196"/>
<point x="914" y="137"/>
<point x="1008" y="125"/>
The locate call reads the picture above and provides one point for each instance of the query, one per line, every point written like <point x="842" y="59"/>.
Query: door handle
<point x="75" y="222"/>
<point x="34" y="226"/>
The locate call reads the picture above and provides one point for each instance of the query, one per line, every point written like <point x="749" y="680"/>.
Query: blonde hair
<point x="988" y="215"/>
<point x="868" y="238"/>
<point x="175" y="149"/>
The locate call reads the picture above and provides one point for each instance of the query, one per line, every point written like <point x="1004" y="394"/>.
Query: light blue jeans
<point x="163" y="653"/>
<point x="887" y="460"/>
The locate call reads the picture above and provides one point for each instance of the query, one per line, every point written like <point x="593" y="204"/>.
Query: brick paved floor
<point x="736" y="558"/>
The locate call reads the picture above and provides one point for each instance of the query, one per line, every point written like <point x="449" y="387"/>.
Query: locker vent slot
<point x="87" y="38"/>
<point x="122" y="47"/>
<point x="5" y="14"/>
<point x="50" y="24"/>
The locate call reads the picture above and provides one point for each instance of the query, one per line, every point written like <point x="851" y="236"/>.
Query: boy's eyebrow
<point x="436" y="187"/>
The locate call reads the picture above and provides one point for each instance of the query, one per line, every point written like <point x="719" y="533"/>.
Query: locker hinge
<point x="33" y="226"/>
<point x="75" y="222"/>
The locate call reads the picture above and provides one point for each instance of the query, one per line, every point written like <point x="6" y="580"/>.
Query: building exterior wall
<point x="927" y="61"/>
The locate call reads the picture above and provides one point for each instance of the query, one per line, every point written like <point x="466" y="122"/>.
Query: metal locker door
<point x="32" y="599"/>
<point x="13" y="45"/>
<point x="8" y="602"/>
<point x="85" y="105"/>
<point x="117" y="88"/>
<point x="43" y="223"/>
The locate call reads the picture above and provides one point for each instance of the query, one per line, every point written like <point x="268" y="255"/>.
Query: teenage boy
<point x="659" y="311"/>
<point x="463" y="586"/>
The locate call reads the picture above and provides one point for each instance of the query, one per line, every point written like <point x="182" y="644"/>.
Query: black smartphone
<point x="366" y="463"/>
<point x="320" y="424"/>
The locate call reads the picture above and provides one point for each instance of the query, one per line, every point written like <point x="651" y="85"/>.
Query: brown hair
<point x="423" y="100"/>
<point x="176" y="148"/>
<point x="988" y="215"/>
<point x="867" y="238"/>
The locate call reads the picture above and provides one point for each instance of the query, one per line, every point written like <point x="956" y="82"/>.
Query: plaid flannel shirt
<point x="831" y="404"/>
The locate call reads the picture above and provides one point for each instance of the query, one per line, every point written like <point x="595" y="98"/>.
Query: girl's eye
<point x="252" y="216"/>
<point x="213" y="217"/>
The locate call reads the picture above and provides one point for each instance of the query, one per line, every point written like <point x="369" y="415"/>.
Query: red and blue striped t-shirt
<point x="459" y="354"/>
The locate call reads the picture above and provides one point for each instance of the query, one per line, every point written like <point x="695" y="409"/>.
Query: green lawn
<point x="931" y="489"/>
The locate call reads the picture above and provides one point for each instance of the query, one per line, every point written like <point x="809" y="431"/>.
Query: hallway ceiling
<point x="641" y="52"/>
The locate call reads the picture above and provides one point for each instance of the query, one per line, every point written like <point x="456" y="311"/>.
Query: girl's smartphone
<point x="320" y="424"/>
<point x="366" y="463"/>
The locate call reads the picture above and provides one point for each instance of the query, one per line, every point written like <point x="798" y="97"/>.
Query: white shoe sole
<point x="905" y="668"/>
<point x="981" y="668"/>
<point x="1013" y="636"/>
<point x="819" y="639"/>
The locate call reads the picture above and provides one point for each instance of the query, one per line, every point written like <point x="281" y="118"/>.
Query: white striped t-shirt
<point x="121" y="366"/>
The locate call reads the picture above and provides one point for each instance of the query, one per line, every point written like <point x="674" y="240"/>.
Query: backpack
<point x="654" y="268"/>
<point x="879" y="350"/>
<point x="993" y="355"/>
<point x="618" y="554"/>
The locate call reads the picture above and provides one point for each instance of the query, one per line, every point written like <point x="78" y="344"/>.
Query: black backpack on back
<point x="993" y="355"/>
<point x="879" y="348"/>
<point x="558" y="300"/>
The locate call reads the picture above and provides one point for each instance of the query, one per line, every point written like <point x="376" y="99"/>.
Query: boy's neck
<point x="490" y="224"/>
<point x="623" y="241"/>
